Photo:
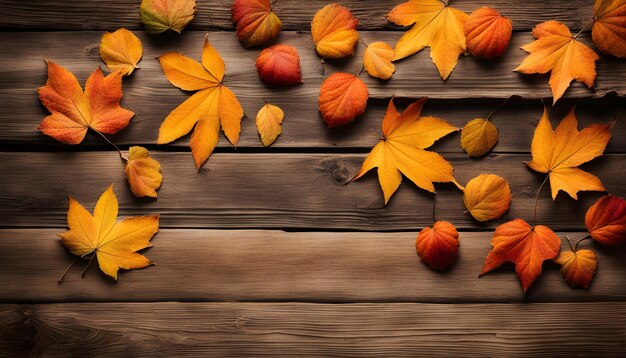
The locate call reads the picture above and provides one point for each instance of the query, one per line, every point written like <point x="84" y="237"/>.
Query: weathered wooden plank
<point x="149" y="94"/>
<point x="71" y="15"/>
<point x="263" y="265"/>
<point x="313" y="330"/>
<point x="278" y="191"/>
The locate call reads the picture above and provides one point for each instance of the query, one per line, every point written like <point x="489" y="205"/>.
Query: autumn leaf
<point x="609" y="26"/>
<point x="121" y="51"/>
<point x="487" y="33"/>
<point x="524" y="245"/>
<point x="377" y="60"/>
<point x="487" y="197"/>
<point x="606" y="220"/>
<point x="438" y="247"/>
<point x="558" y="51"/>
<point x="113" y="244"/>
<point x="342" y="98"/>
<point x="279" y="65"/>
<point x="578" y="268"/>
<point x="558" y="153"/>
<point x="478" y="137"/>
<point x="435" y="24"/>
<point x="143" y="173"/>
<point x="401" y="150"/>
<point x="334" y="31"/>
<point x="256" y="23"/>
<point x="269" y="121"/>
<point x="213" y="105"/>
<point x="162" y="15"/>
<point x="73" y="111"/>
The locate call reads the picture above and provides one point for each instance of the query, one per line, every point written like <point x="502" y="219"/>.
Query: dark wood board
<point x="314" y="330"/>
<point x="211" y="15"/>
<point x="263" y="265"/>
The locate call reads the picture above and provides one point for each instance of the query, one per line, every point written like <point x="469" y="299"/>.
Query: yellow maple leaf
<point x="558" y="153"/>
<point x="401" y="150"/>
<point x="213" y="105"/>
<point x="558" y="51"/>
<point x="435" y="24"/>
<point x="121" y="51"/>
<point x="114" y="244"/>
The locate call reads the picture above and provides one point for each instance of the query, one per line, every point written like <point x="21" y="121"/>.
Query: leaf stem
<point x="361" y="70"/>
<point x="68" y="269"/>
<point x="584" y="28"/>
<point x="497" y="108"/>
<point x="111" y="143"/>
<point x="434" y="208"/>
<point x="363" y="42"/>
<point x="88" y="264"/>
<point x="569" y="243"/>
<point x="581" y="240"/>
<point x="537" y="198"/>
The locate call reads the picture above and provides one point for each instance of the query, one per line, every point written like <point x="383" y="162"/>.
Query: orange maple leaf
<point x="609" y="26"/>
<point x="524" y="245"/>
<point x="558" y="153"/>
<point x="401" y="150"/>
<point x="438" y="247"/>
<point x="334" y="31"/>
<point x="558" y="51"/>
<point x="256" y="23"/>
<point x="74" y="111"/>
<point x="113" y="244"/>
<point x="487" y="33"/>
<point x="606" y="220"/>
<point x="342" y="98"/>
<point x="435" y="24"/>
<point x="213" y="105"/>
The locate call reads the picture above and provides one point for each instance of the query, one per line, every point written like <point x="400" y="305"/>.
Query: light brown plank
<point x="149" y="94"/>
<point x="215" y="14"/>
<point x="313" y="330"/>
<point x="263" y="265"/>
<point x="278" y="191"/>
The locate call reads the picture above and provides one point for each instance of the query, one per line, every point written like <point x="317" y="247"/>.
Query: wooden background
<point x="268" y="251"/>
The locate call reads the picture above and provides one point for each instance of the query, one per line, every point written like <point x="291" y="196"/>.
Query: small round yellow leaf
<point x="377" y="60"/>
<point x="487" y="197"/>
<point x="478" y="137"/>
<point x="269" y="121"/>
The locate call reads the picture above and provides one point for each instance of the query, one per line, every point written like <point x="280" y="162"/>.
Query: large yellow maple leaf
<point x="558" y="51"/>
<point x="436" y="25"/>
<point x="401" y="150"/>
<point x="213" y="105"/>
<point x="558" y="153"/>
<point x="114" y="244"/>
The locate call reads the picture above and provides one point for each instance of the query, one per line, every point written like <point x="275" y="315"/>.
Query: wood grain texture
<point x="148" y="93"/>
<point x="264" y="265"/>
<point x="279" y="191"/>
<point x="313" y="330"/>
<point x="215" y="14"/>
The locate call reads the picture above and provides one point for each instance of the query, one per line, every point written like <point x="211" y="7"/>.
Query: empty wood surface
<point x="314" y="330"/>
<point x="113" y="14"/>
<point x="280" y="190"/>
<point x="265" y="265"/>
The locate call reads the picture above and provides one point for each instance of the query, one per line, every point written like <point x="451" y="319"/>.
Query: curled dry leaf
<point x="256" y="23"/>
<point x="478" y="137"/>
<point x="334" y="31"/>
<point x="558" y="51"/>
<point x="162" y="15"/>
<point x="606" y="220"/>
<point x="114" y="244"/>
<point x="578" y="268"/>
<point x="342" y="98"/>
<point x="487" y="197"/>
<point x="121" y="51"/>
<point x="279" y="65"/>
<point x="269" y="122"/>
<point x="213" y="105"/>
<point x="487" y="33"/>
<point x="558" y="153"/>
<point x="524" y="245"/>
<point x="143" y="173"/>
<point x="377" y="60"/>
<point x="73" y="111"/>
<point x="609" y="28"/>
<point x="438" y="247"/>
<point x="401" y="150"/>
<point x="435" y="24"/>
